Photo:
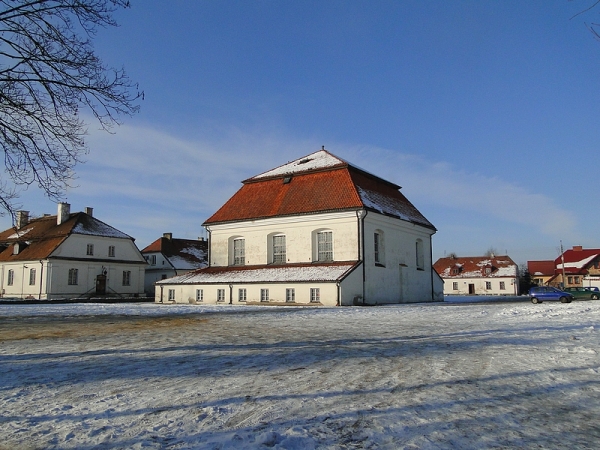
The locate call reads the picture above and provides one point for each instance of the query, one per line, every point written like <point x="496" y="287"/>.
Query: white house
<point x="168" y="256"/>
<point x="68" y="256"/>
<point x="480" y="275"/>
<point x="316" y="230"/>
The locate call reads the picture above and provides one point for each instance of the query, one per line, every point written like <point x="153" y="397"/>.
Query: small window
<point x="315" y="295"/>
<point x="126" y="277"/>
<point x="31" y="277"/>
<point x="220" y="295"/>
<point x="90" y="250"/>
<point x="111" y="251"/>
<point x="290" y="295"/>
<point x="73" y="275"/>
<point x="455" y="286"/>
<point x="241" y="295"/>
<point x="570" y="280"/>
<point x="152" y="260"/>
<point x="199" y="295"/>
<point x="171" y="295"/>
<point x="264" y="295"/>
<point x="488" y="285"/>
<point x="420" y="258"/>
<point x="502" y="286"/>
<point x="11" y="277"/>
<point x="576" y="280"/>
<point x="376" y="247"/>
<point x="239" y="252"/>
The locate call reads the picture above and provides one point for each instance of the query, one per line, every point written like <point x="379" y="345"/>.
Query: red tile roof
<point x="475" y="267"/>
<point x="324" y="188"/>
<point x="577" y="260"/>
<point x="181" y="253"/>
<point x="41" y="236"/>
<point x="541" y="267"/>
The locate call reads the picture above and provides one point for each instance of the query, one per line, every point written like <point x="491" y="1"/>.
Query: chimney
<point x="168" y="236"/>
<point x="89" y="211"/>
<point x="22" y="219"/>
<point x="64" y="210"/>
<point x="577" y="248"/>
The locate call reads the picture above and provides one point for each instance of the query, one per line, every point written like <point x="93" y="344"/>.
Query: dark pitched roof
<point x="41" y="236"/>
<point x="181" y="253"/>
<point x="319" y="182"/>
<point x="475" y="267"/>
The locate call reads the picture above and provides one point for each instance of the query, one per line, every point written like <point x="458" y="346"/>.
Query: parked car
<point x="539" y="294"/>
<point x="584" y="292"/>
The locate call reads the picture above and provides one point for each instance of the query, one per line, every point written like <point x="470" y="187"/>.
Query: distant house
<point x="168" y="257"/>
<point x="319" y="231"/>
<point x="478" y="275"/>
<point x="68" y="255"/>
<point x="580" y="267"/>
<point x="541" y="272"/>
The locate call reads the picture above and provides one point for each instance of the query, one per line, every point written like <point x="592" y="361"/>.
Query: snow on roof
<point x="264" y="274"/>
<point x="181" y="263"/>
<point x="19" y="234"/>
<point x="318" y="160"/>
<point x="475" y="267"/>
<point x="386" y="205"/>
<point x="577" y="264"/>
<point x="97" y="228"/>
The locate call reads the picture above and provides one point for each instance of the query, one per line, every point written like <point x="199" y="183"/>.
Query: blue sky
<point x="485" y="112"/>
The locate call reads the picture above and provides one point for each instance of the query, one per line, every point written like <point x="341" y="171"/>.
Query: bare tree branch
<point x="48" y="72"/>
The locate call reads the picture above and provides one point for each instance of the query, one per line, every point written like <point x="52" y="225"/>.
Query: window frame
<point x="89" y="251"/>
<point x="73" y="279"/>
<point x="264" y="294"/>
<point x="126" y="278"/>
<point x="239" y="252"/>
<point x="32" y="276"/>
<point x="279" y="250"/>
<point x="290" y="295"/>
<point x="199" y="295"/>
<point x="242" y="295"/>
<point x="171" y="295"/>
<point x="324" y="247"/>
<point x="111" y="251"/>
<point x="455" y="285"/>
<point x="220" y="295"/>
<point x="315" y="295"/>
<point x="10" y="277"/>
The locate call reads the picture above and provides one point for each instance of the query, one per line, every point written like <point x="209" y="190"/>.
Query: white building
<point x="316" y="230"/>
<point x="168" y="257"/>
<point x="478" y="275"/>
<point x="68" y="256"/>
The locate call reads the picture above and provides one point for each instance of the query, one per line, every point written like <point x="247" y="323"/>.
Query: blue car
<point x="539" y="294"/>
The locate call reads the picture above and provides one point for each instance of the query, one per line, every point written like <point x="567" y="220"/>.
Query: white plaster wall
<point x="21" y="287"/>
<point x="75" y="246"/>
<point x="299" y="232"/>
<point x="397" y="280"/>
<point x="352" y="287"/>
<point x="511" y="286"/>
<point x="187" y="293"/>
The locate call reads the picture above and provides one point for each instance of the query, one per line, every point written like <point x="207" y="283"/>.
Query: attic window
<point x="304" y="161"/>
<point x="286" y="180"/>
<point x="488" y="270"/>
<point x="455" y="270"/>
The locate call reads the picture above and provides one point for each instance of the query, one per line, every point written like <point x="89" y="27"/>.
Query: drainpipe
<point x="161" y="294"/>
<point x="431" y="268"/>
<point x="339" y="294"/>
<point x="41" y="278"/>
<point x="361" y="245"/>
<point x="231" y="294"/>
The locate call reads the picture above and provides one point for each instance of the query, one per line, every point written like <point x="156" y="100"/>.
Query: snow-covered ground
<point x="425" y="376"/>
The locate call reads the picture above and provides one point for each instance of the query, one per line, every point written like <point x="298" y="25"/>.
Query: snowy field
<point x="428" y="376"/>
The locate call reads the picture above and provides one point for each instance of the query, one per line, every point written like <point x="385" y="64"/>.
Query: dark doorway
<point x="101" y="284"/>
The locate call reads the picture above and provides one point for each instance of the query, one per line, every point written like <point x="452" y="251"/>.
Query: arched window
<point x="323" y="242"/>
<point x="379" y="248"/>
<point x="419" y="255"/>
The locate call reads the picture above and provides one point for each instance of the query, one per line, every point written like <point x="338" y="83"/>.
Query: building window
<point x="73" y="274"/>
<point x="31" y="277"/>
<point x="220" y="295"/>
<point x="126" y="277"/>
<point x="241" y="295"/>
<point x="378" y="250"/>
<point x="325" y="246"/>
<point x="502" y="286"/>
<point x="279" y="249"/>
<point x="576" y="280"/>
<point x="570" y="280"/>
<point x="199" y="295"/>
<point x="455" y="286"/>
<point x="264" y="295"/>
<point x="315" y="295"/>
<point x="488" y="285"/>
<point x="11" y="277"/>
<point x="152" y="260"/>
<point x="239" y="252"/>
<point x="171" y="295"/>
<point x="290" y="295"/>
<point x="111" y="251"/>
<point x="420" y="259"/>
<point x="90" y="250"/>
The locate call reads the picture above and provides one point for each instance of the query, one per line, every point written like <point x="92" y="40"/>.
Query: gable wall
<point x="397" y="279"/>
<point x="75" y="246"/>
